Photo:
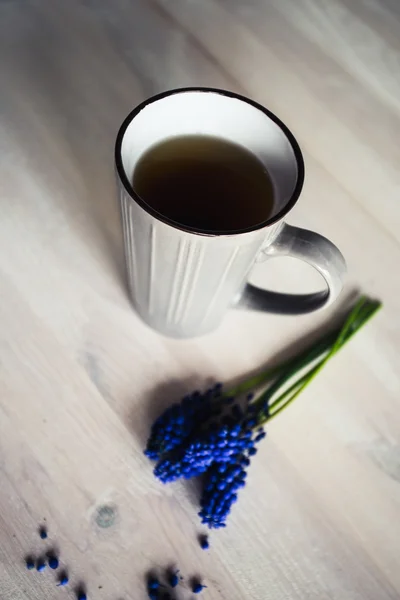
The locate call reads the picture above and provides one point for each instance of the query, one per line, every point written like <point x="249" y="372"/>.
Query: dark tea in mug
<point x="205" y="183"/>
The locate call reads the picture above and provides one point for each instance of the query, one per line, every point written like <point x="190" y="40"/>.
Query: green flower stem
<point x="295" y="363"/>
<point x="361" y="313"/>
<point x="254" y="382"/>
<point x="294" y="390"/>
<point x="287" y="395"/>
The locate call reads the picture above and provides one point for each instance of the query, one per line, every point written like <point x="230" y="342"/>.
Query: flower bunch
<point x="175" y="424"/>
<point x="216" y="433"/>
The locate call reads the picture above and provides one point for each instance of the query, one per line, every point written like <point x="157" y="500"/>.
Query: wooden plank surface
<point x="81" y="377"/>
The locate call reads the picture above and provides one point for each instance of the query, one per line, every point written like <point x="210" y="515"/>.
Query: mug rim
<point x="196" y="230"/>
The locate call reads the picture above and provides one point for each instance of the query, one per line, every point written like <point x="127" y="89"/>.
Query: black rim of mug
<point x="154" y="213"/>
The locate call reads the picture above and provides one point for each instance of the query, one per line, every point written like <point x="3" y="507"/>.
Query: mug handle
<point x="313" y="249"/>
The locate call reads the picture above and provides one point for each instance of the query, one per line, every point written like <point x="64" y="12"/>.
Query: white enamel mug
<point x="182" y="280"/>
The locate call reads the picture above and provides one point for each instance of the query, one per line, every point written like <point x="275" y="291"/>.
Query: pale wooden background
<point x="80" y="375"/>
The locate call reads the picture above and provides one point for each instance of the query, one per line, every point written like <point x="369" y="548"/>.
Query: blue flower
<point x="197" y="587"/>
<point x="223" y="481"/>
<point x="153" y="586"/>
<point x="40" y="565"/>
<point x="260" y="436"/>
<point x="208" y="434"/>
<point x="63" y="580"/>
<point x="176" y="424"/>
<point x="53" y="562"/>
<point x="214" y="444"/>
<point x="173" y="578"/>
<point x="204" y="543"/>
<point x="152" y="583"/>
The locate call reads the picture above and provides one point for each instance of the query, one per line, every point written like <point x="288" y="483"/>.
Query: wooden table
<point x="81" y="377"/>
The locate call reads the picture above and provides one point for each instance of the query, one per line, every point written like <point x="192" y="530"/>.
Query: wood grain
<point x="81" y="377"/>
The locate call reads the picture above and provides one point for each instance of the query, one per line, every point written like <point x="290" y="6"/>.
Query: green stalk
<point x="295" y="363"/>
<point x="361" y="313"/>
<point x="288" y="369"/>
<point x="295" y="385"/>
<point x="254" y="382"/>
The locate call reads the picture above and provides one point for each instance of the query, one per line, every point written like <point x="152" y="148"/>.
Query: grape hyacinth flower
<point x="153" y="586"/>
<point x="215" y="444"/>
<point x="173" y="578"/>
<point x="178" y="421"/>
<point x="216" y="433"/>
<point x="64" y="580"/>
<point x="197" y="586"/>
<point x="223" y="482"/>
<point x="40" y="565"/>
<point x="53" y="562"/>
<point x="204" y="543"/>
